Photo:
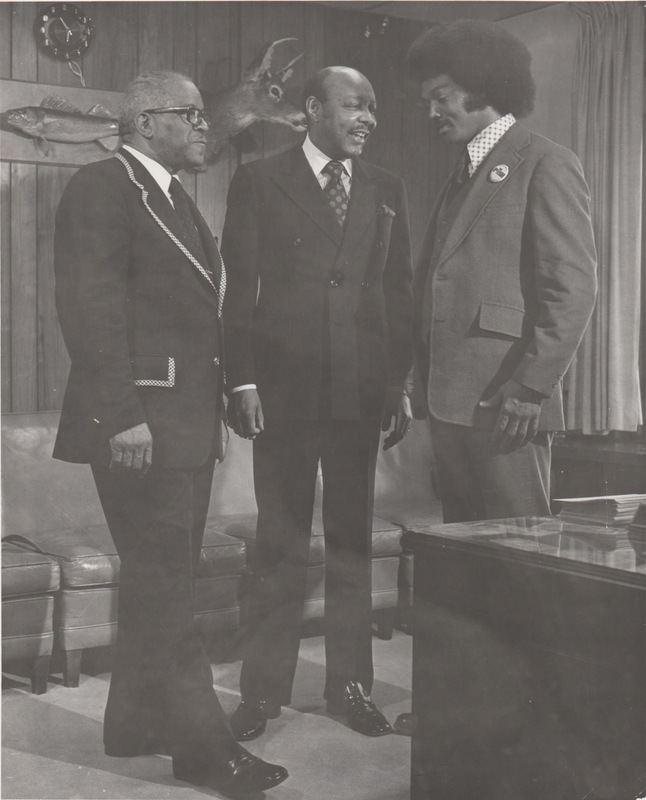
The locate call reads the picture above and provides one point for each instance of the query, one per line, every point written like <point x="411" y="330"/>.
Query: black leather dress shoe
<point x="249" y="720"/>
<point x="362" y="714"/>
<point x="243" y="774"/>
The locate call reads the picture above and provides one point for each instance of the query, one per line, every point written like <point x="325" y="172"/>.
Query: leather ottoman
<point x="386" y="549"/>
<point x="85" y="612"/>
<point x="29" y="581"/>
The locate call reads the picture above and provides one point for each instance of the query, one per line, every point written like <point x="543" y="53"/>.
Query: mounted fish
<point x="260" y="96"/>
<point x="56" y="120"/>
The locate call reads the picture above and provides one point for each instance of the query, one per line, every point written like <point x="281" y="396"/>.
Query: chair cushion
<point x="88" y="618"/>
<point x="88" y="557"/>
<point x="385" y="535"/>
<point x="25" y="573"/>
<point x="27" y="630"/>
<point x="411" y="514"/>
<point x="221" y="554"/>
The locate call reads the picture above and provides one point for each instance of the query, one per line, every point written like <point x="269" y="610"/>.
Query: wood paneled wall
<point x="212" y="42"/>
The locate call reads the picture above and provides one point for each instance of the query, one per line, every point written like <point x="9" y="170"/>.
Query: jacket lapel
<point x="156" y="200"/>
<point x="208" y="243"/>
<point x="483" y="190"/>
<point x="362" y="209"/>
<point x="296" y="179"/>
<point x="162" y="211"/>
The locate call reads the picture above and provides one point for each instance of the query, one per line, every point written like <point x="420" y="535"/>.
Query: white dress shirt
<point x="161" y="175"/>
<point x="318" y="161"/>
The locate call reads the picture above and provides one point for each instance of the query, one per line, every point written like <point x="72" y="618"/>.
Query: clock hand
<point x="68" y="30"/>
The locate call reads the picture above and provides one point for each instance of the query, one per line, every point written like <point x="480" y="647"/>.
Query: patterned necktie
<point x="191" y="234"/>
<point x="335" y="190"/>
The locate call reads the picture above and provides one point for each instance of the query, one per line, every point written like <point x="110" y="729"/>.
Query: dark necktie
<point x="184" y="212"/>
<point x="335" y="190"/>
<point x="460" y="176"/>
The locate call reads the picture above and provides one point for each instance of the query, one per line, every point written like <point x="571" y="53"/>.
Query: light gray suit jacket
<point x="505" y="283"/>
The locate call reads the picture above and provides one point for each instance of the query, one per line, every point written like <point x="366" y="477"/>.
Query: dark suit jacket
<point x="505" y="284"/>
<point x="139" y="319"/>
<point x="315" y="314"/>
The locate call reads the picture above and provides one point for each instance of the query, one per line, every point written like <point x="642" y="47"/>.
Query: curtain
<point x="602" y="384"/>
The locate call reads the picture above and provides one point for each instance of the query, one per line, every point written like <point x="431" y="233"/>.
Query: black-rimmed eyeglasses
<point x="191" y="114"/>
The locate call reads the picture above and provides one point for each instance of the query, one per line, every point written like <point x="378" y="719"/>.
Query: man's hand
<point x="132" y="450"/>
<point x="397" y="407"/>
<point x="245" y="413"/>
<point x="517" y="422"/>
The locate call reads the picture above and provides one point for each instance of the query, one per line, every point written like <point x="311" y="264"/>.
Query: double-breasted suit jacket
<point x="318" y="317"/>
<point x="141" y="318"/>
<point x="314" y="315"/>
<point x="506" y="281"/>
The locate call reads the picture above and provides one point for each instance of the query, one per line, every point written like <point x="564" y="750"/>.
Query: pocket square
<point x="386" y="211"/>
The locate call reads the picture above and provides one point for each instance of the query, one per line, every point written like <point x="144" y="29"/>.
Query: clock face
<point x="63" y="31"/>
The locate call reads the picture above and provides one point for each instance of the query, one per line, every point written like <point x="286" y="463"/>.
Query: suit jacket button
<point x="297" y="242"/>
<point x="337" y="278"/>
<point x="379" y="244"/>
<point x="216" y="361"/>
<point x="365" y="284"/>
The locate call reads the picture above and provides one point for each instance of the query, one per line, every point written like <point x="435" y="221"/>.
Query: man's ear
<point x="143" y="125"/>
<point x="313" y="108"/>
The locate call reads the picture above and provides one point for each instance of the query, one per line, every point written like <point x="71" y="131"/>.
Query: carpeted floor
<point x="52" y="743"/>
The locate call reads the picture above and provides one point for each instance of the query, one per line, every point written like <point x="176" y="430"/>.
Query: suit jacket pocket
<point x="150" y="370"/>
<point x="505" y="319"/>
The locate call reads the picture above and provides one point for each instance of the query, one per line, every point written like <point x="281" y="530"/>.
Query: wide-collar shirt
<point x="160" y="174"/>
<point x="483" y="143"/>
<point x="318" y="161"/>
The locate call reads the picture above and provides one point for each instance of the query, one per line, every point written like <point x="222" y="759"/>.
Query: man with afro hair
<point x="506" y="279"/>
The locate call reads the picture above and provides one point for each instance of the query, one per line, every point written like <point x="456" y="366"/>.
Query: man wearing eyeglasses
<point x="139" y="291"/>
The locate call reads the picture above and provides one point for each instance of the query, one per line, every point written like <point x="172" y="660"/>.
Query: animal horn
<point x="286" y="72"/>
<point x="264" y="62"/>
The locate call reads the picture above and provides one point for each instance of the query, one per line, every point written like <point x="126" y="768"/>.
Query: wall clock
<point x="63" y="31"/>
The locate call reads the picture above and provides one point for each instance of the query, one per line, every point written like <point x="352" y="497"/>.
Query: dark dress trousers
<point x="505" y="287"/>
<point x="318" y="317"/>
<point x="140" y="319"/>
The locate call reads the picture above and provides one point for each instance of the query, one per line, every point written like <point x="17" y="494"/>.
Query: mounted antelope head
<point x="260" y="95"/>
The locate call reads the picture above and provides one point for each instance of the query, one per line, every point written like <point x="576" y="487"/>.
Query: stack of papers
<point x="613" y="510"/>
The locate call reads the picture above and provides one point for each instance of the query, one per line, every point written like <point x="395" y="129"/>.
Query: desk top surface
<point x="609" y="552"/>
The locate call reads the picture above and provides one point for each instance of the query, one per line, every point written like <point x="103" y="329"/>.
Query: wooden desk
<point x="528" y="662"/>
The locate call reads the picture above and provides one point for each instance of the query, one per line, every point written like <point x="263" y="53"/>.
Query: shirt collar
<point x="161" y="175"/>
<point x="317" y="159"/>
<point x="483" y="143"/>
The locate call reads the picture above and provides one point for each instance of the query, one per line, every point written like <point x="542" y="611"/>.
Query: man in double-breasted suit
<point x="506" y="277"/>
<point x="318" y="332"/>
<point x="139" y="291"/>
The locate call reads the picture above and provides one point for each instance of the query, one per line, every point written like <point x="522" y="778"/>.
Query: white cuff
<point x="243" y="387"/>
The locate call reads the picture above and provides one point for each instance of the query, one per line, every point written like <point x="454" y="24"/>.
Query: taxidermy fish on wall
<point x="259" y="96"/>
<point x="56" y="120"/>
